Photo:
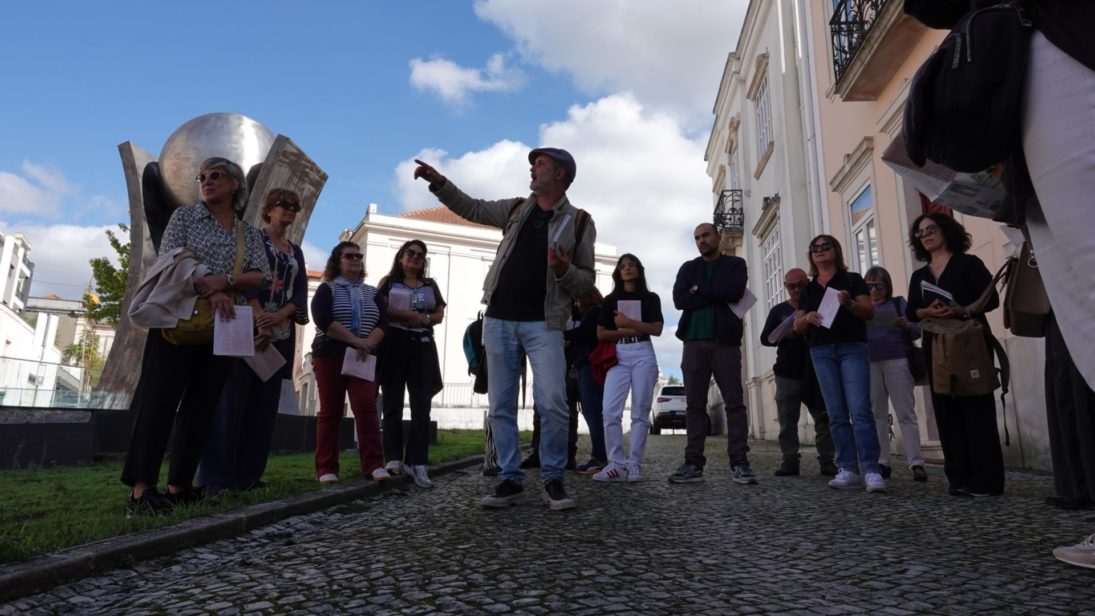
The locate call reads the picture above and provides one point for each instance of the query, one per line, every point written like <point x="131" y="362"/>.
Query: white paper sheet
<point x="830" y="305"/>
<point x="932" y="293"/>
<point x="400" y="299"/>
<point x="743" y="305"/>
<point x="559" y="230"/>
<point x="265" y="363"/>
<point x="359" y="368"/>
<point x="630" y="308"/>
<point x="234" y="338"/>
<point x="783" y="331"/>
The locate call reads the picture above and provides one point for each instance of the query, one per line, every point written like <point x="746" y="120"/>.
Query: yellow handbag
<point x="198" y="329"/>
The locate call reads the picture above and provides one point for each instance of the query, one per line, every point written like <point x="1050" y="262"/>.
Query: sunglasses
<point x="288" y="205"/>
<point x="928" y="230"/>
<point x="353" y="256"/>
<point x="822" y="247"/>
<point x="213" y="175"/>
<point x="876" y="286"/>
<point x="414" y="254"/>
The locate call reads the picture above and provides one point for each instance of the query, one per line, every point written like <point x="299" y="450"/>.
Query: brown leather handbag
<point x="1026" y="305"/>
<point x="198" y="329"/>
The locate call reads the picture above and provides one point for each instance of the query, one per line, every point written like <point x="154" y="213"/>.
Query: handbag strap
<point x="1001" y="274"/>
<point x="239" y="248"/>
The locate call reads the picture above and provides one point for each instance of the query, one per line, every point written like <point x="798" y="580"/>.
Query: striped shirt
<point x="332" y="303"/>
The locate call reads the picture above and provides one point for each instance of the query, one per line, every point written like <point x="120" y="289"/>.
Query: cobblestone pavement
<point x="787" y="545"/>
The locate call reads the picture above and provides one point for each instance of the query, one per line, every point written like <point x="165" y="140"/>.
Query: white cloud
<point x="60" y="254"/>
<point x="315" y="258"/>
<point x="643" y="181"/>
<point x="668" y="53"/>
<point x="453" y="83"/>
<point x="37" y="191"/>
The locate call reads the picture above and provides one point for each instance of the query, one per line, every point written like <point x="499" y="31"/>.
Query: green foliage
<point x="86" y="353"/>
<point x="44" y="510"/>
<point x="673" y="380"/>
<point x="109" y="282"/>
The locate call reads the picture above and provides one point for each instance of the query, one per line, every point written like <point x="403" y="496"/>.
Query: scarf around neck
<point x="356" y="299"/>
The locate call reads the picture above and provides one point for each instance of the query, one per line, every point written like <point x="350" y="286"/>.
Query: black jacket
<point x="727" y="285"/>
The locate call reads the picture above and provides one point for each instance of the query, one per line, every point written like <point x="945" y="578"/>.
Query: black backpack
<point x="965" y="104"/>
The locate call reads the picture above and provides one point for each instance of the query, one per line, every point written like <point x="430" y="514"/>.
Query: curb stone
<point x="41" y="573"/>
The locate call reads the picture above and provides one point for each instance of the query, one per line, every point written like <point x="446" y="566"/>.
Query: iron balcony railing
<point x="729" y="213"/>
<point x="851" y="21"/>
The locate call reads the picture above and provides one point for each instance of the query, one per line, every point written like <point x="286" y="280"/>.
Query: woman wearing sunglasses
<point x="410" y="363"/>
<point x="243" y="427"/>
<point x="637" y="369"/>
<point x="967" y="424"/>
<point x="889" y="335"/>
<point x="180" y="384"/>
<point x="350" y="316"/>
<point x="842" y="362"/>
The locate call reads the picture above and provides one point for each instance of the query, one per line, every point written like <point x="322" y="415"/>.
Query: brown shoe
<point x="919" y="474"/>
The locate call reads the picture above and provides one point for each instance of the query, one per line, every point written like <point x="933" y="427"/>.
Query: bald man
<point x="795" y="384"/>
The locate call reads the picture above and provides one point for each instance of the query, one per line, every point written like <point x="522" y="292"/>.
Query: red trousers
<point x="332" y="388"/>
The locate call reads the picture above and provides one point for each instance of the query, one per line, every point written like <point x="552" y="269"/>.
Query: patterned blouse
<point x="194" y="227"/>
<point x="290" y="284"/>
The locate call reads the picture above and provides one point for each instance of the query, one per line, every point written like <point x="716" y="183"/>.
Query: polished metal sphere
<point x="231" y="135"/>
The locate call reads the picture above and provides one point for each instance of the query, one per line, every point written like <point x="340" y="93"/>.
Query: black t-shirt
<point x="522" y="285"/>
<point x="651" y="307"/>
<point x="846" y="326"/>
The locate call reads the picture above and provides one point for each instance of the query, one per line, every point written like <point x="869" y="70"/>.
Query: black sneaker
<point x="591" y="467"/>
<point x="827" y="469"/>
<point x="744" y="474"/>
<point x="151" y="502"/>
<point x="687" y="473"/>
<point x="886" y="470"/>
<point x="185" y="497"/>
<point x="507" y="493"/>
<point x="787" y="469"/>
<point x="555" y="495"/>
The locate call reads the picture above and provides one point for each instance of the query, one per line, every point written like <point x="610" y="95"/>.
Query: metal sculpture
<point x="156" y="188"/>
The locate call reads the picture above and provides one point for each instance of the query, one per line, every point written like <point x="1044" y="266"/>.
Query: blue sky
<point x="364" y="87"/>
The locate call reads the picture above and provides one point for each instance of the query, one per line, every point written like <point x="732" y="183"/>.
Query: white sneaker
<point x="845" y="479"/>
<point x="875" y="482"/>
<point x="611" y="473"/>
<point x="633" y="474"/>
<point x="394" y="467"/>
<point x="1082" y="554"/>
<point x="328" y="478"/>
<point x="418" y="474"/>
<point x="379" y="474"/>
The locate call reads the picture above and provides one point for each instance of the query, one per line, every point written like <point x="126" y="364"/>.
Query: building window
<point x="763" y="110"/>
<point x="773" y="267"/>
<point x="864" y="230"/>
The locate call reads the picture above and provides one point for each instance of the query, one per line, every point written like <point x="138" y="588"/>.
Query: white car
<point x="669" y="409"/>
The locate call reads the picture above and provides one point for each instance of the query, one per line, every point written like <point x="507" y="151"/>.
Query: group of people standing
<point x="220" y="412"/>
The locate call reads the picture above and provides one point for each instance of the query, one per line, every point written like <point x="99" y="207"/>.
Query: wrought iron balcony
<point x="851" y="21"/>
<point x="729" y="213"/>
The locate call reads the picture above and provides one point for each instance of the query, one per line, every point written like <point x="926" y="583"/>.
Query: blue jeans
<point x="592" y="399"/>
<point x="504" y="342"/>
<point x="844" y="374"/>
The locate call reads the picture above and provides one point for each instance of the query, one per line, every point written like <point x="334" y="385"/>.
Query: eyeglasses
<point x="876" y="286"/>
<point x="822" y="247"/>
<point x="794" y="285"/>
<point x="288" y="205"/>
<point x="213" y="175"/>
<point x="414" y="254"/>
<point x="353" y="256"/>
<point x="928" y="230"/>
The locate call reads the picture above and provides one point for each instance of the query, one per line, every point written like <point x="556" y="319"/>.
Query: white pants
<point x="637" y="372"/>
<point x="892" y="380"/>
<point x="1059" y="142"/>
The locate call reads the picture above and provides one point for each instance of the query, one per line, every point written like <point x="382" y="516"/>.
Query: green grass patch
<point x="44" y="510"/>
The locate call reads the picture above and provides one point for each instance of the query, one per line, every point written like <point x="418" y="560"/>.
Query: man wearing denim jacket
<point x="704" y="289"/>
<point x="540" y="266"/>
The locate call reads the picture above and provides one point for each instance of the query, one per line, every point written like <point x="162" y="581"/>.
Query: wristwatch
<point x="231" y="280"/>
